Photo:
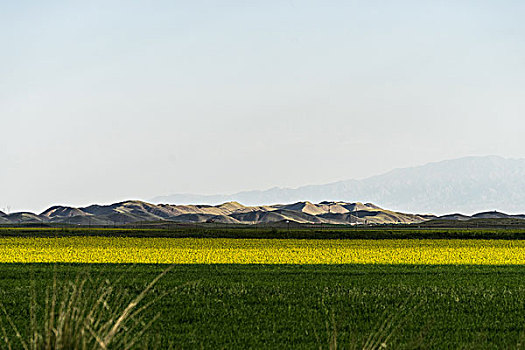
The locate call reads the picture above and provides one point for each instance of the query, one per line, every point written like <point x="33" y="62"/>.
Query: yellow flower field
<point x="260" y="251"/>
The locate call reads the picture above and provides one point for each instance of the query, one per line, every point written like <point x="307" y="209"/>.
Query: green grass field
<point x="304" y="307"/>
<point x="256" y="231"/>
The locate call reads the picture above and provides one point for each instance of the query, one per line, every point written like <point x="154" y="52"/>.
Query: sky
<point x="102" y="101"/>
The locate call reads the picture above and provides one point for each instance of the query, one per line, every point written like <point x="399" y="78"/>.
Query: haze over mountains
<point x="489" y="186"/>
<point x="465" y="185"/>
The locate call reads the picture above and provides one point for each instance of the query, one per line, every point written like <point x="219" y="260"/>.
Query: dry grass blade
<point x="391" y="323"/>
<point x="13" y="326"/>
<point x="333" y="337"/>
<point x="49" y="327"/>
<point x="373" y="337"/>
<point x="5" y="337"/>
<point x="127" y="311"/>
<point x="142" y="331"/>
<point x="32" y="315"/>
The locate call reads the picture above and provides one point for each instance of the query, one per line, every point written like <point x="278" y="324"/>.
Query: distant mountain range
<point x="466" y="185"/>
<point x="232" y="213"/>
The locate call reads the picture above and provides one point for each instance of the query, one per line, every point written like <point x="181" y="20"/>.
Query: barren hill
<point x="228" y="213"/>
<point x="303" y="212"/>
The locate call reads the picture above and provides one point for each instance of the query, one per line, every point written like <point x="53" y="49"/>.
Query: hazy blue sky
<point x="108" y="100"/>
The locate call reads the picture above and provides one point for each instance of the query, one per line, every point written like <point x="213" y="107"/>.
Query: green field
<point x="261" y="231"/>
<point x="296" y="306"/>
<point x="289" y="306"/>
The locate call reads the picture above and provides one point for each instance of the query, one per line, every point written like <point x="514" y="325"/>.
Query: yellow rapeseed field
<point x="260" y="251"/>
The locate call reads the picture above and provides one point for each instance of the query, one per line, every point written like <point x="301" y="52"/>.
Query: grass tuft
<point x="82" y="314"/>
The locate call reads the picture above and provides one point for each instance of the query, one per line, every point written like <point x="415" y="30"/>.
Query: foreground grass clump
<point x="308" y="306"/>
<point x="260" y="251"/>
<point x="83" y="313"/>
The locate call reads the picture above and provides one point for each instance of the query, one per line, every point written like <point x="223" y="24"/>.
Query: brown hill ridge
<point x="133" y="211"/>
<point x="229" y="213"/>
